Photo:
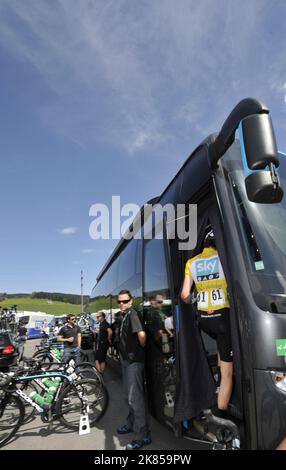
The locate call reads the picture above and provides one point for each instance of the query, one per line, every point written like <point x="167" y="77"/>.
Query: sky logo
<point x="207" y="269"/>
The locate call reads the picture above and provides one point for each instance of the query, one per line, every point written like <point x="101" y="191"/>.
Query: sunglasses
<point x="159" y="301"/>
<point x="73" y="319"/>
<point x="123" y="301"/>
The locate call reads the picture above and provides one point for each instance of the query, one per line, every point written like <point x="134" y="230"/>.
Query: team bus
<point x="235" y="179"/>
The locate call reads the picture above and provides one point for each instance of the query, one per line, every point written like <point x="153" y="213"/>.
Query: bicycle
<point x="75" y="402"/>
<point x="49" y="351"/>
<point x="78" y="371"/>
<point x="8" y="319"/>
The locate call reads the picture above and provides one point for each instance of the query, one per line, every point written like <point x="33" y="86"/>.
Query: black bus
<point x="235" y="178"/>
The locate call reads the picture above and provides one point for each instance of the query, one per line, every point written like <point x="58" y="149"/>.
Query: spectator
<point x="70" y="335"/>
<point x="103" y="342"/>
<point x="169" y="324"/>
<point x="21" y="335"/>
<point x="56" y="329"/>
<point x="132" y="340"/>
<point x="155" y="317"/>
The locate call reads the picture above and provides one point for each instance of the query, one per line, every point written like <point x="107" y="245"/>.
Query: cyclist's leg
<point x="226" y="363"/>
<point x="225" y="389"/>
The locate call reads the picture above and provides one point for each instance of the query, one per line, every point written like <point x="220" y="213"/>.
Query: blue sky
<point x="103" y="97"/>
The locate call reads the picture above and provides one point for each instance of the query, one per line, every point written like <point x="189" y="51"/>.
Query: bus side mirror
<point x="259" y="150"/>
<point x="263" y="187"/>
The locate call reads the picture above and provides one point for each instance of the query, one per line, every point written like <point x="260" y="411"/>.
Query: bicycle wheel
<point x="83" y="357"/>
<point x="70" y="402"/>
<point x="45" y="358"/>
<point x="12" y="413"/>
<point x="87" y="370"/>
<point x="30" y="411"/>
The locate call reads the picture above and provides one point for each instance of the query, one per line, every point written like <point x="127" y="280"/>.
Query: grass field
<point x="42" y="305"/>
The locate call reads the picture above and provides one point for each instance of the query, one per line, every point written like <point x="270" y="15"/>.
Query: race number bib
<point x="210" y="299"/>
<point x="203" y="299"/>
<point x="217" y="297"/>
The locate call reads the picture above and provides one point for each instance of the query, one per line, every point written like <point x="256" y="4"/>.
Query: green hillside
<point x="42" y="305"/>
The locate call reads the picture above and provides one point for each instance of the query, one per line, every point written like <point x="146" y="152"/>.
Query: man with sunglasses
<point x="155" y="317"/>
<point x="132" y="340"/>
<point x="70" y="335"/>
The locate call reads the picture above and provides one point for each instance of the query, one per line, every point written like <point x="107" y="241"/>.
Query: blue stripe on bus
<point x="246" y="169"/>
<point x="177" y="309"/>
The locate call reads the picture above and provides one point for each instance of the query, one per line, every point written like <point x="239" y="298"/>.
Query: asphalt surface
<point x="36" y="435"/>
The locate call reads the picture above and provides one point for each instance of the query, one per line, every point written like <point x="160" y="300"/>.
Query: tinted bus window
<point x="113" y="280"/>
<point x="139" y="257"/>
<point x="155" y="277"/>
<point x="127" y="262"/>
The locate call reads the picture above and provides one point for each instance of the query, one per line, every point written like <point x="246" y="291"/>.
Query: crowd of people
<point x="130" y="337"/>
<point x="204" y="275"/>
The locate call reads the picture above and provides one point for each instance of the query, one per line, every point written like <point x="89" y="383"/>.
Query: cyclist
<point x="205" y="270"/>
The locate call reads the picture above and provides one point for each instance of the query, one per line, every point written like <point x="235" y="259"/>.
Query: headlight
<point x="279" y="379"/>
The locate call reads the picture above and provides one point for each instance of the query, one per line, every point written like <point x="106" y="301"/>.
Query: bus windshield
<point x="262" y="228"/>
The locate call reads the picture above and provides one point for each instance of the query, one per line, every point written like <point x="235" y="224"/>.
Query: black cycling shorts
<point x="217" y="326"/>
<point x="101" y="353"/>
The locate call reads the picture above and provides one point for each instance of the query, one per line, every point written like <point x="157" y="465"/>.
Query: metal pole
<point x="81" y="285"/>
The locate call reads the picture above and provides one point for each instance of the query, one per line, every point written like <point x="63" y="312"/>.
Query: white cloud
<point x="87" y="251"/>
<point x="139" y="75"/>
<point x="68" y="230"/>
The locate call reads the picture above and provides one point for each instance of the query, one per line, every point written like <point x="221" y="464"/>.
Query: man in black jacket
<point x="103" y="342"/>
<point x="132" y="340"/>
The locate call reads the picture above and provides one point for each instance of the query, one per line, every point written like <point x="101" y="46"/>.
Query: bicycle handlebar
<point x="5" y="379"/>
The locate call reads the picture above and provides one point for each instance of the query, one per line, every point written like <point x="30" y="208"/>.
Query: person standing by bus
<point x="70" y="335"/>
<point x="103" y="342"/>
<point x="132" y="340"/>
<point x="205" y="270"/>
<point x="56" y="329"/>
<point x="21" y="336"/>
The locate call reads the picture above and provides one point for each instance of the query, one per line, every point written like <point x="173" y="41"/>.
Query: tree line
<point x="54" y="296"/>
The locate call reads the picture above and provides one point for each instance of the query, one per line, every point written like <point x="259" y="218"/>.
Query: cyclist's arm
<point x="109" y="335"/>
<point x="186" y="290"/>
<point x="170" y="333"/>
<point x="79" y="339"/>
<point x="64" y="340"/>
<point x="142" y="338"/>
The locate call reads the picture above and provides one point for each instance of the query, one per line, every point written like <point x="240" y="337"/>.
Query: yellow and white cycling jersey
<point x="207" y="273"/>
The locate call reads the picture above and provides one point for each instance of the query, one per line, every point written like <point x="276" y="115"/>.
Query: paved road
<point x="36" y="435"/>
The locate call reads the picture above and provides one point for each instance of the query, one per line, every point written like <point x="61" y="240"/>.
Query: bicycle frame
<point x="37" y="378"/>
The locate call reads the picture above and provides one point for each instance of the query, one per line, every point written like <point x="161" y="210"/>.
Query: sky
<point x="109" y="97"/>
